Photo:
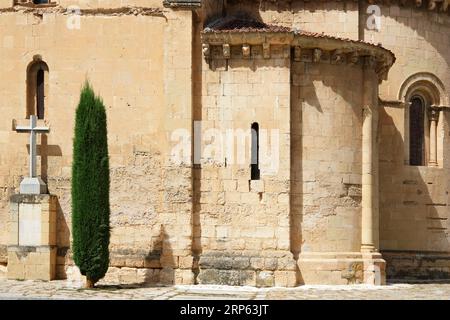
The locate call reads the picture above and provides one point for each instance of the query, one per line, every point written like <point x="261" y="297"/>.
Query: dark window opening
<point x="40" y="95"/>
<point x="416" y="132"/>
<point x="40" y="1"/>
<point x="255" y="171"/>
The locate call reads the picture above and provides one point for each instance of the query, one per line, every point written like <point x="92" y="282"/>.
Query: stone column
<point x="369" y="229"/>
<point x="373" y="263"/>
<point x="433" y="114"/>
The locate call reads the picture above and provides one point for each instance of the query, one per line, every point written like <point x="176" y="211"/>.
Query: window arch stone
<point x="430" y="90"/>
<point x="424" y="82"/>
<point x="37" y="88"/>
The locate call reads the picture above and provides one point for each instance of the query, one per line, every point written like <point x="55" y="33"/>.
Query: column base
<point x="342" y="268"/>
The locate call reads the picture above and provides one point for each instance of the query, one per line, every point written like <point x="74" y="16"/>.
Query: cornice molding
<point x="307" y="48"/>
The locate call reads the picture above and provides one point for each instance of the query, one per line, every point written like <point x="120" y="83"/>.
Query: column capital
<point x="433" y="112"/>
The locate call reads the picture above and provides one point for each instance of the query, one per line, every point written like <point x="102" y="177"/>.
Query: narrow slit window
<point x="416" y="132"/>
<point x="255" y="171"/>
<point x="40" y="94"/>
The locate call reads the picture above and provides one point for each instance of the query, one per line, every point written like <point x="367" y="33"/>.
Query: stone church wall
<point x="414" y="214"/>
<point x="414" y="207"/>
<point x="326" y="169"/>
<point x="144" y="78"/>
<point x="326" y="161"/>
<point x="169" y="219"/>
<point x="242" y="228"/>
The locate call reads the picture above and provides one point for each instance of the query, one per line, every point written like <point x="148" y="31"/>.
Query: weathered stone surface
<point x="308" y="89"/>
<point x="227" y="277"/>
<point x="265" y="279"/>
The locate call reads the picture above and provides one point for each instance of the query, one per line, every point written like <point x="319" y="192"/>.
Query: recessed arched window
<point x="255" y="171"/>
<point x="424" y="97"/>
<point x="37" y="89"/>
<point x="417" y="131"/>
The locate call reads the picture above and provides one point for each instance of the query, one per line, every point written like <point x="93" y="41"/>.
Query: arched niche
<point x="37" y="88"/>
<point x="428" y="90"/>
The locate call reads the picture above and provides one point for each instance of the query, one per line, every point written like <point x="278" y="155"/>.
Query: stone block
<point x="257" y="186"/>
<point x="285" y="278"/>
<point x="265" y="279"/>
<point x="128" y="275"/>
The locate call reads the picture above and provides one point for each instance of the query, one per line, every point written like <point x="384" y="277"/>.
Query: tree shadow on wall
<point x="167" y="260"/>
<point x="62" y="242"/>
<point x="159" y="266"/>
<point x="413" y="211"/>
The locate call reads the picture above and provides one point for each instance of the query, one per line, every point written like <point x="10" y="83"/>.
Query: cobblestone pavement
<point x="65" y="290"/>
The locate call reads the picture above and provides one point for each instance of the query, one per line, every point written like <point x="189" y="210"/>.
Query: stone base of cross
<point x="32" y="184"/>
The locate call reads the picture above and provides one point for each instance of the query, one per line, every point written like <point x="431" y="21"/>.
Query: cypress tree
<point x="90" y="188"/>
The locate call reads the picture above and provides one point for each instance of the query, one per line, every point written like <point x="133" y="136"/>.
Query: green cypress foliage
<point x="90" y="188"/>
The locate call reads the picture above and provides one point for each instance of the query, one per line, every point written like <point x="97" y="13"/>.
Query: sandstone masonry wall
<point x="243" y="230"/>
<point x="326" y="157"/>
<point x="143" y="77"/>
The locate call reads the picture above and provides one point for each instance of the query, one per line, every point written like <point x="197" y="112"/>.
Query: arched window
<point x="37" y="89"/>
<point x="424" y="97"/>
<point x="416" y="131"/>
<point x="255" y="171"/>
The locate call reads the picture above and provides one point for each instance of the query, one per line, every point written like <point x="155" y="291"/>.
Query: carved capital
<point x="317" y="55"/>
<point x="337" y="57"/>
<point x="206" y="50"/>
<point x="433" y="113"/>
<point x="226" y="51"/>
<point x="353" y="58"/>
<point x="246" y="51"/>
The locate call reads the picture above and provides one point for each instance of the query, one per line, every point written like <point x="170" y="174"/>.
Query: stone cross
<point x="32" y="184"/>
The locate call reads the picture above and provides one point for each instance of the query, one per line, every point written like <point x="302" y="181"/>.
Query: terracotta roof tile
<point x="243" y="24"/>
<point x="246" y="27"/>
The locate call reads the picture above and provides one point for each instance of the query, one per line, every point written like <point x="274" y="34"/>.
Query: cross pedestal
<point x="32" y="222"/>
<point x="32" y="184"/>
<point x="32" y="237"/>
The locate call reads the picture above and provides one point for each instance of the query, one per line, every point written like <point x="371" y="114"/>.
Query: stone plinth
<point x="32" y="237"/>
<point x="342" y="268"/>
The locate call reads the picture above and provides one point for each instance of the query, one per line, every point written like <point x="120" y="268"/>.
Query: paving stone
<point x="38" y="290"/>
